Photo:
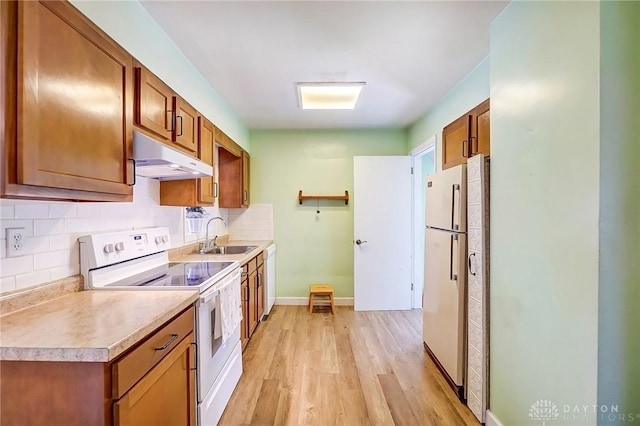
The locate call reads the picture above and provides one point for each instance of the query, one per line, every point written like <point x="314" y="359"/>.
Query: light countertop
<point x="88" y="326"/>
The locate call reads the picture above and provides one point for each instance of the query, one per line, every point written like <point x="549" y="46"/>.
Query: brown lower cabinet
<point x="244" y="330"/>
<point x="252" y="289"/>
<point x="151" y="384"/>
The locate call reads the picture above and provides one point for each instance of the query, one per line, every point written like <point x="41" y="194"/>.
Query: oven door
<point x="212" y="352"/>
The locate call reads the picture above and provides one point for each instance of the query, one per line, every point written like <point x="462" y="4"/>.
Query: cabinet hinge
<point x="411" y="286"/>
<point x="412" y="170"/>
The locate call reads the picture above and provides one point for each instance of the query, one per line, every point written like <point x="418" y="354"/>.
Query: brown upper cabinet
<point x="233" y="170"/>
<point x="185" y="131"/>
<point x="225" y="142"/>
<point x="245" y="179"/>
<point x="480" y="129"/>
<point x="194" y="192"/>
<point x="67" y="97"/>
<point x="207" y="187"/>
<point x="160" y="111"/>
<point x="466" y="136"/>
<point x="154" y="104"/>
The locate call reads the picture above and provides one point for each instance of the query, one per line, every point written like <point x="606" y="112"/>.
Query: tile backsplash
<point x="51" y="231"/>
<point x="252" y="223"/>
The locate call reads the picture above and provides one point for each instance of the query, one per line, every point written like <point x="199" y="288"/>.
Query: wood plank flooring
<point x="353" y="368"/>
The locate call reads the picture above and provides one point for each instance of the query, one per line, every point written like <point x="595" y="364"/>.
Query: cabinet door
<point x="153" y="105"/>
<point x="253" y="302"/>
<point x="480" y="141"/>
<point x="244" y="325"/>
<point x="207" y="154"/>
<point x="245" y="179"/>
<point x="185" y="131"/>
<point x="166" y="395"/>
<point x="230" y="179"/>
<point x="260" y="292"/>
<point x="74" y="103"/>
<point x="455" y="142"/>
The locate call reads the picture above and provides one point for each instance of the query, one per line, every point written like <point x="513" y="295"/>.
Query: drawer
<point x="260" y="258"/>
<point x="131" y="367"/>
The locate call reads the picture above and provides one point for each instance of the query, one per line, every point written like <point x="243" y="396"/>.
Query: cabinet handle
<point x="472" y="150"/>
<point x="134" y="171"/>
<point x="195" y="356"/>
<point x="259" y="279"/>
<point x="215" y="189"/>
<point x="471" y="272"/>
<point x="172" y="121"/>
<point x="245" y="195"/>
<point x="166" y="345"/>
<point x="465" y="143"/>
<point x="181" y="125"/>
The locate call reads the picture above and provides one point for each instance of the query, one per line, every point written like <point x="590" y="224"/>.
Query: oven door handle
<point x="210" y="294"/>
<point x="205" y="298"/>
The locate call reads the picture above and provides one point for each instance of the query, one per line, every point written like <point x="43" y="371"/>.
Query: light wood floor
<point x="354" y="368"/>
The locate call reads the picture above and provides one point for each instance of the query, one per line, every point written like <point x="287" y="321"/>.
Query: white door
<point x="382" y="233"/>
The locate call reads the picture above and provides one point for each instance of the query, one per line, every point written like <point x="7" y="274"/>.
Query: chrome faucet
<point x="205" y="246"/>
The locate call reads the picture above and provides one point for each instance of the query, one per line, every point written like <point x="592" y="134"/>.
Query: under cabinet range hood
<point x="156" y="160"/>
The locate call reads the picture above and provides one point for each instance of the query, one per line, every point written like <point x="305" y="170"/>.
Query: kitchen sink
<point x="229" y="249"/>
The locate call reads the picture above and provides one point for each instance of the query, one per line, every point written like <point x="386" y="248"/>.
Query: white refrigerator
<point x="445" y="273"/>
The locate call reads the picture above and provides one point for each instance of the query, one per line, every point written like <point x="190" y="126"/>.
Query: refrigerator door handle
<point x="452" y="276"/>
<point x="454" y="187"/>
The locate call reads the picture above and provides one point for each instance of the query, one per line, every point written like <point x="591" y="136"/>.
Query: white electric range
<point x="138" y="260"/>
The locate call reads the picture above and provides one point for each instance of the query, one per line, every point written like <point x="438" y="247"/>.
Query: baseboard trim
<point x="491" y="419"/>
<point x="340" y="301"/>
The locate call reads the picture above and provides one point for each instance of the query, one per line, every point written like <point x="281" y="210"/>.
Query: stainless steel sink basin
<point x="229" y="249"/>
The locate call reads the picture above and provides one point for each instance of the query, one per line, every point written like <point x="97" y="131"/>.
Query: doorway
<point x="423" y="159"/>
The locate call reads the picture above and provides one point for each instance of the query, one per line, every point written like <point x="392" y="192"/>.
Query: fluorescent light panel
<point x="329" y="95"/>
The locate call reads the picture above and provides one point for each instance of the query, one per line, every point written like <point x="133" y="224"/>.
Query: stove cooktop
<point x="177" y="274"/>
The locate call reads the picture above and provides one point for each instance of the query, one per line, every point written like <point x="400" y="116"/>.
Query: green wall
<point x="129" y="24"/>
<point x="469" y="92"/>
<point x="545" y="159"/>
<point x="313" y="248"/>
<point x="619" y="320"/>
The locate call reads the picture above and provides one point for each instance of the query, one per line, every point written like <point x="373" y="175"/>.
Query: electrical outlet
<point x="15" y="241"/>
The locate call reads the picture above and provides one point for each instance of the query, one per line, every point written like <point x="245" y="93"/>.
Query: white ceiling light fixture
<point x="329" y="95"/>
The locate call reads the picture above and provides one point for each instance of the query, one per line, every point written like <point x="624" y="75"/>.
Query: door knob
<point x="358" y="242"/>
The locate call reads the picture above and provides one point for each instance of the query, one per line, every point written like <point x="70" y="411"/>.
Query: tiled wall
<point x="52" y="230"/>
<point x="253" y="223"/>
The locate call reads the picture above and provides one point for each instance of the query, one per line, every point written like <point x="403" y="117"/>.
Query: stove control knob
<point x="108" y="248"/>
<point x="158" y="240"/>
<point x="165" y="238"/>
<point x="119" y="246"/>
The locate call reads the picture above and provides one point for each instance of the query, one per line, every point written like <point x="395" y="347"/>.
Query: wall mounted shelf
<point x="344" y="197"/>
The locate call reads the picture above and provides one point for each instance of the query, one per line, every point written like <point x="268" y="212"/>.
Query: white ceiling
<point x="410" y="53"/>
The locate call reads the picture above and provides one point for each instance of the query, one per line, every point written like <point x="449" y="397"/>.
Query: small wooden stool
<point x="325" y="292"/>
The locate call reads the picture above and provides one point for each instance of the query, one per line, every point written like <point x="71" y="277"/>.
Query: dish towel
<point x="230" y="309"/>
